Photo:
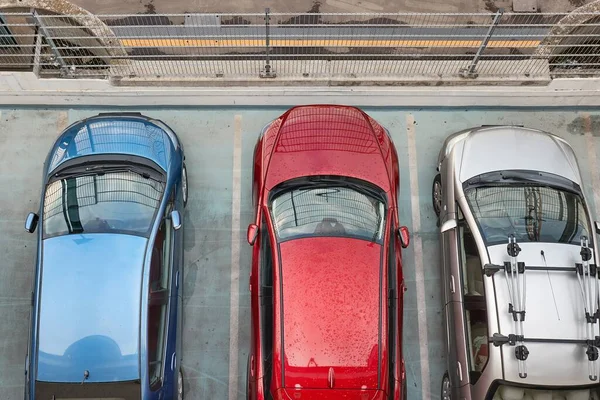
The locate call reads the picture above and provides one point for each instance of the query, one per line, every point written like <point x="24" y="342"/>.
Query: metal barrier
<point x="311" y="47"/>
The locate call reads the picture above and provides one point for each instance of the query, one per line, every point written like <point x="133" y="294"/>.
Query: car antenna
<point x="86" y="374"/>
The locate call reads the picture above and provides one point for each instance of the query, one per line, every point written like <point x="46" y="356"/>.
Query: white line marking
<point x="417" y="244"/>
<point x="235" y="259"/>
<point x="62" y="120"/>
<point x="592" y="159"/>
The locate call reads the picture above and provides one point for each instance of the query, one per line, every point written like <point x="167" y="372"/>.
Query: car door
<point x="395" y="304"/>
<point x="161" y="324"/>
<point x="176" y="313"/>
<point x="453" y="309"/>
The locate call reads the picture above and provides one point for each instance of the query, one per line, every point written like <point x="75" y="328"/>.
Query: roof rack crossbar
<point x="491" y="269"/>
<point x="511" y="339"/>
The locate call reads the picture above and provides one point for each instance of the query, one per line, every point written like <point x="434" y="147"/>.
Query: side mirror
<point x="252" y="234"/>
<point x="176" y="219"/>
<point x="597" y="225"/>
<point x="404" y="236"/>
<point x="450" y="224"/>
<point x="31" y="222"/>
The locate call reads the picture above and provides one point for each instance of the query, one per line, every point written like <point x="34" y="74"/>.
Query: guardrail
<point x="311" y="47"/>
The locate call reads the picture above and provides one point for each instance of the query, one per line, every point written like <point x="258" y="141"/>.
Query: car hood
<point x="327" y="140"/>
<point x="331" y="313"/>
<point x="554" y="309"/>
<point x="89" y="313"/>
<point x="515" y="148"/>
<point x="125" y="135"/>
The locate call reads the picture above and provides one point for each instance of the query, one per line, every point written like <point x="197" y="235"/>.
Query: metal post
<point x="58" y="60"/>
<point x="37" y="55"/>
<point x="470" y="71"/>
<point x="267" y="72"/>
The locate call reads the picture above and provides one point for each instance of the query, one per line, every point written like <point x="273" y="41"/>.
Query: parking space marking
<point x="592" y="159"/>
<point x="418" y="252"/>
<point x="62" y="121"/>
<point x="235" y="258"/>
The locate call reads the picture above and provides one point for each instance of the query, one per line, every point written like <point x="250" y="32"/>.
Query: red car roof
<point x="326" y="140"/>
<point x="331" y="310"/>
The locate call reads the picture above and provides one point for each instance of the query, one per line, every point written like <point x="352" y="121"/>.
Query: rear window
<point x="116" y="202"/>
<point x="329" y="210"/>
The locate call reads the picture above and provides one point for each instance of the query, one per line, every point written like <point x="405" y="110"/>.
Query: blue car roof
<point x="127" y="135"/>
<point x="89" y="317"/>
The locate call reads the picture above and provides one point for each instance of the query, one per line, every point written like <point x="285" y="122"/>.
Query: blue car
<point x="106" y="316"/>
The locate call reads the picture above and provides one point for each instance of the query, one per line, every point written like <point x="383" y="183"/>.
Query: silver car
<point x="521" y="292"/>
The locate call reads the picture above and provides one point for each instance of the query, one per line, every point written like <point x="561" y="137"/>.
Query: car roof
<point x="515" y="148"/>
<point x="327" y="140"/>
<point x="331" y="312"/>
<point x="89" y="312"/>
<point x="133" y="135"/>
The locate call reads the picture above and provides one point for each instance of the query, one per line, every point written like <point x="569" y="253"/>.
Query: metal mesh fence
<point x="312" y="46"/>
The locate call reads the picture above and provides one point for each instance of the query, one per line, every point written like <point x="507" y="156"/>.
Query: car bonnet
<point x="515" y="148"/>
<point x="125" y="135"/>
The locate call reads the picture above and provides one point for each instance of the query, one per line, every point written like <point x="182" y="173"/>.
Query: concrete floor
<point x="326" y="6"/>
<point x="209" y="318"/>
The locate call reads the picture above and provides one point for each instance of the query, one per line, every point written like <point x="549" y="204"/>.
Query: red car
<point x="326" y="282"/>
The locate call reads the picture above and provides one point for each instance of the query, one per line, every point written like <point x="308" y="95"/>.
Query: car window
<point x="530" y="213"/>
<point x="160" y="275"/>
<point x="266" y="303"/>
<point x="475" y="311"/>
<point x="392" y="312"/>
<point x="328" y="211"/>
<point x="118" y="202"/>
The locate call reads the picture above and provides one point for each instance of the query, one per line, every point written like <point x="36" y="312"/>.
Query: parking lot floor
<point x="218" y="143"/>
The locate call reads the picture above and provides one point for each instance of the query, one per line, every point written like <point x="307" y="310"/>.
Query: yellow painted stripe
<point x="324" y="43"/>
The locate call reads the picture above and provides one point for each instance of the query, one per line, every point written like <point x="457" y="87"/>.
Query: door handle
<point x="452" y="285"/>
<point x="459" y="371"/>
<point x="173" y="362"/>
<point x="177" y="280"/>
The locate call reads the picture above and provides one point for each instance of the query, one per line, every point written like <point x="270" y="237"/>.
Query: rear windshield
<point x="115" y="202"/>
<point x="328" y="210"/>
<point x="530" y="213"/>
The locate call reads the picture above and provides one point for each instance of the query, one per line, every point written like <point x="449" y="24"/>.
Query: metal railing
<point x="311" y="47"/>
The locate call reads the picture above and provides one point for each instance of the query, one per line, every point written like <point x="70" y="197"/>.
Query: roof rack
<point x="588" y="276"/>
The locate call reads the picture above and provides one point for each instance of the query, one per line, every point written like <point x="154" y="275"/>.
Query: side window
<point x="393" y="312"/>
<point x="266" y="303"/>
<point x="475" y="313"/>
<point x="160" y="270"/>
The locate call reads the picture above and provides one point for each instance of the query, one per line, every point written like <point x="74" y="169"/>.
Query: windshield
<point x="328" y="210"/>
<point x="117" y="202"/>
<point x="530" y="213"/>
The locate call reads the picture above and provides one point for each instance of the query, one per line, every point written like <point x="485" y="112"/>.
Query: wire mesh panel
<point x="311" y="46"/>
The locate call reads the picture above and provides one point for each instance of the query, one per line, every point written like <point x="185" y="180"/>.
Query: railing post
<point x="37" y="56"/>
<point x="268" y="71"/>
<point x="470" y="72"/>
<point x="58" y="59"/>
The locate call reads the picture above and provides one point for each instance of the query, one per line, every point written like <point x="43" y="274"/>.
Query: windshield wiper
<point x="101" y="170"/>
